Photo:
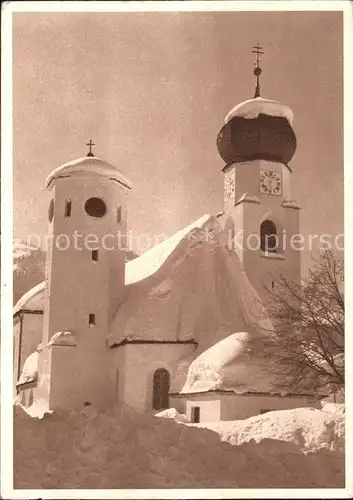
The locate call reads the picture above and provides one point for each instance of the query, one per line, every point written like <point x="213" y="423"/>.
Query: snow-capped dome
<point x="89" y="164"/>
<point x="252" y="108"/>
<point x="257" y="129"/>
<point x="31" y="300"/>
<point x="233" y="364"/>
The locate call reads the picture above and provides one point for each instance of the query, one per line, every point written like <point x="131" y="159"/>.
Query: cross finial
<point x="90" y="144"/>
<point x="257" y="71"/>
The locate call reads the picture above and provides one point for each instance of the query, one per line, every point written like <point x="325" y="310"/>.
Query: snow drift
<point x="122" y="449"/>
<point x="309" y="428"/>
<point x="172" y="413"/>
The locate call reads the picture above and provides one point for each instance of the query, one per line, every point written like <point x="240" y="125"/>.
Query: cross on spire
<point x="90" y="144"/>
<point x="257" y="71"/>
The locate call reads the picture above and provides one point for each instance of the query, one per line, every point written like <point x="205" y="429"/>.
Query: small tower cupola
<point x="88" y="166"/>
<point x="257" y="129"/>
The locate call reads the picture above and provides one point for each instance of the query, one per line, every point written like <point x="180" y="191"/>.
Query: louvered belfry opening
<point x="269" y="237"/>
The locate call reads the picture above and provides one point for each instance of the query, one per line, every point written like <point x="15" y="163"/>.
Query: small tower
<point x="260" y="216"/>
<point x="85" y="280"/>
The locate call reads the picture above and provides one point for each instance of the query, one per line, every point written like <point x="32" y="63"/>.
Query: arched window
<point x="269" y="237"/>
<point x="161" y="382"/>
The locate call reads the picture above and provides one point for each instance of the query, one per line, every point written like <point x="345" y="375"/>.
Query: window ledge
<point x="270" y="255"/>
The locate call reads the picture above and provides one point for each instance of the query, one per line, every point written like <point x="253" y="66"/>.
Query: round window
<point x="95" y="207"/>
<point x="51" y="211"/>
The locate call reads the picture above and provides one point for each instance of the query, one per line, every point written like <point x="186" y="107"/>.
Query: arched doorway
<point x="161" y="382"/>
<point x="269" y="236"/>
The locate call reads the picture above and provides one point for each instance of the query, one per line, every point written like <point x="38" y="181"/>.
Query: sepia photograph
<point x="173" y="325"/>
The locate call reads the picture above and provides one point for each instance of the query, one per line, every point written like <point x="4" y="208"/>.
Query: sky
<point x="152" y="89"/>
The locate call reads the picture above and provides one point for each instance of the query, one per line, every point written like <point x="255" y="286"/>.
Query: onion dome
<point x="257" y="129"/>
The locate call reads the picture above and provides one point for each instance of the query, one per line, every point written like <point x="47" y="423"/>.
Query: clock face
<point x="229" y="185"/>
<point x="271" y="182"/>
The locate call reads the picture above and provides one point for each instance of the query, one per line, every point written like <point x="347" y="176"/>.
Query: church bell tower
<point x="85" y="281"/>
<point x="260" y="217"/>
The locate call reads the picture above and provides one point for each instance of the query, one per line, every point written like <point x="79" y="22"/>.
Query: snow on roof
<point x="32" y="300"/>
<point x="63" y="338"/>
<point x="337" y="360"/>
<point x="30" y="369"/>
<point x="253" y="107"/>
<point x="148" y="263"/>
<point x="226" y="350"/>
<point x="231" y="364"/>
<point x="89" y="164"/>
<point x="135" y="270"/>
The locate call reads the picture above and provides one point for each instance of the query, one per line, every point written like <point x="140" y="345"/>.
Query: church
<point x="177" y="326"/>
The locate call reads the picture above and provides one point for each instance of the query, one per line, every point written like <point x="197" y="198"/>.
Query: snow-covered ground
<point x="173" y="414"/>
<point x="309" y="428"/>
<point x="123" y="449"/>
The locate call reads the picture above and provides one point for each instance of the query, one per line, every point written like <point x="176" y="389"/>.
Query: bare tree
<point x="305" y="350"/>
